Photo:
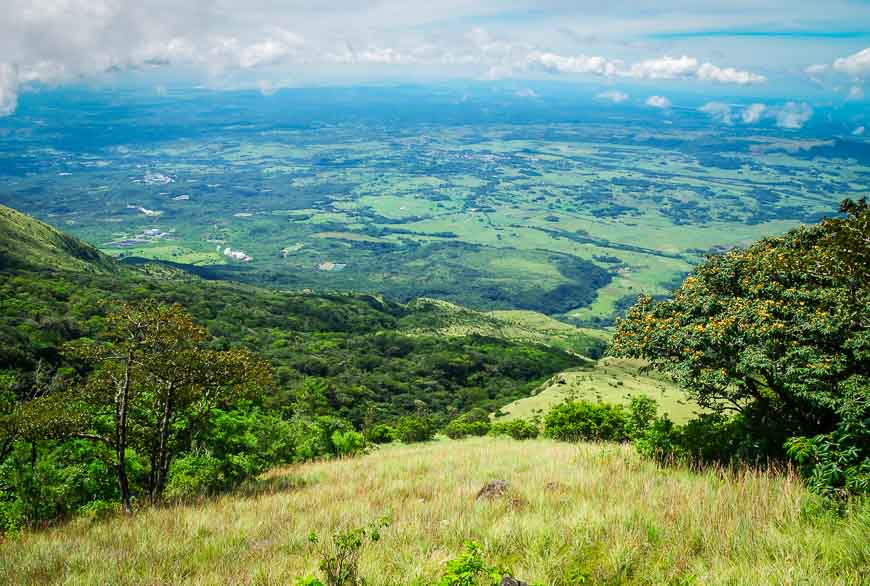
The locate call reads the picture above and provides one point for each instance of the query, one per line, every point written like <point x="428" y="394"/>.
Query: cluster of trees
<point x="778" y="336"/>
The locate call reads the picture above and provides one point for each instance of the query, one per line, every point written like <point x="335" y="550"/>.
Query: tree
<point x="777" y="332"/>
<point x="152" y="379"/>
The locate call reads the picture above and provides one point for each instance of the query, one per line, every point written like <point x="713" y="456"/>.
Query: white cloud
<point x="718" y="111"/>
<point x="710" y="72"/>
<point x="554" y="63"/>
<point x="8" y="89"/>
<point x="658" y="102"/>
<point x="686" y="67"/>
<point x="857" y="65"/>
<point x="816" y="70"/>
<point x="753" y="113"/>
<point x="855" y="92"/>
<point x="615" y="96"/>
<point x="664" y="68"/>
<point x="858" y="131"/>
<point x="793" y="115"/>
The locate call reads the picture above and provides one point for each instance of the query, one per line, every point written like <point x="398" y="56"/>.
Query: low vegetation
<point x="598" y="513"/>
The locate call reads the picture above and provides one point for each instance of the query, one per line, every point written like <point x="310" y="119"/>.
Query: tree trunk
<point x="121" y="407"/>
<point x="160" y="464"/>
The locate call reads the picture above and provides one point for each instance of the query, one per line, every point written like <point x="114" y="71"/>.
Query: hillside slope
<point x="26" y="242"/>
<point x="369" y="357"/>
<point x="609" y="380"/>
<point x="574" y="514"/>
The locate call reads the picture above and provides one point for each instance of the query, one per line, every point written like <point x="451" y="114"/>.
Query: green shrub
<point x="470" y="569"/>
<point x="473" y="423"/>
<point x="382" y="434"/>
<point x="518" y="429"/>
<point x="348" y="443"/>
<point x="642" y="412"/>
<point x="413" y="429"/>
<point x="339" y="557"/>
<point x="12" y="515"/>
<point x="660" y="441"/>
<point x="312" y="437"/>
<point x="837" y="464"/>
<point x="96" y="510"/>
<point x="709" y="438"/>
<point x="578" y="420"/>
<point x="195" y="475"/>
<point x="459" y="429"/>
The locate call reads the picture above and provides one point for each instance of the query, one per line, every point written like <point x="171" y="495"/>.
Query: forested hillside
<point x="357" y="359"/>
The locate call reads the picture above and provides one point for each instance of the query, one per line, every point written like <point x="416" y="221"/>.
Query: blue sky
<point x="806" y="52"/>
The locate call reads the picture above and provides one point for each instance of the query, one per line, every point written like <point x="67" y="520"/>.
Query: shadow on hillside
<point x="272" y="485"/>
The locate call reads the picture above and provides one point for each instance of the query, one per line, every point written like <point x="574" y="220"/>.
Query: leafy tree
<point x="777" y="332"/>
<point x="152" y="379"/>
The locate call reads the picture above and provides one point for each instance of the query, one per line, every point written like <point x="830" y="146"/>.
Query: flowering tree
<point x="777" y="332"/>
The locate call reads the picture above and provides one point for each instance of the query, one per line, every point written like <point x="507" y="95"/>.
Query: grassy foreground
<point x="593" y="511"/>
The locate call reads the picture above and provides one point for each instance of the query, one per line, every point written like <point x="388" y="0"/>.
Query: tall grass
<point x="593" y="513"/>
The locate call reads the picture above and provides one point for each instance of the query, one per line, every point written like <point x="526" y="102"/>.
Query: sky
<point x="801" y="52"/>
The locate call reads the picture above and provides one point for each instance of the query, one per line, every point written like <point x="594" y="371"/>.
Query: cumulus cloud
<point x="710" y="72"/>
<point x="615" y="96"/>
<point x="554" y="63"/>
<point x="729" y="114"/>
<point x="753" y="113"/>
<point x="793" y="115"/>
<point x="856" y="65"/>
<point x="658" y="102"/>
<point x="718" y="111"/>
<point x="664" y="68"/>
<point x="686" y="67"/>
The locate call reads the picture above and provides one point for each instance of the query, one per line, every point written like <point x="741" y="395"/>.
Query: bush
<point x="195" y="475"/>
<point x="457" y="429"/>
<point x="475" y="422"/>
<point x="660" y="441"/>
<point x="382" y="434"/>
<point x="12" y="515"/>
<point x="470" y="569"/>
<point x="348" y="443"/>
<point x="339" y="557"/>
<point x="518" y="429"/>
<point x="579" y="420"/>
<point x="837" y="464"/>
<point x="414" y="429"/>
<point x="709" y="438"/>
<point x="642" y="412"/>
<point x="312" y="437"/>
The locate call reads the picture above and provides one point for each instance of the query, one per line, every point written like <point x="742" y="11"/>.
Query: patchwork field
<point x="568" y="219"/>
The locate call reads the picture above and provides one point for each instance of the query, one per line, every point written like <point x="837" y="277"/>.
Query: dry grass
<point x="574" y="510"/>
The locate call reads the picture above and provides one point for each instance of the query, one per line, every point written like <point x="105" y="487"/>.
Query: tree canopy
<point x="777" y="331"/>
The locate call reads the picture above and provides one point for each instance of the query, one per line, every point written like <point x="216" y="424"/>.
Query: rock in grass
<point x="494" y="489"/>
<point x="509" y="581"/>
